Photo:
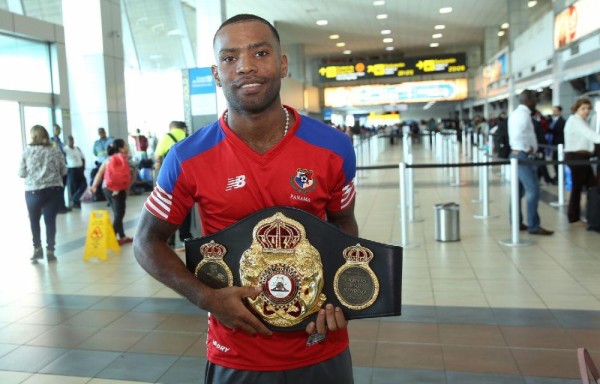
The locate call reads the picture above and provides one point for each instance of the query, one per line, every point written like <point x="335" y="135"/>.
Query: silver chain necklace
<point x="287" y="119"/>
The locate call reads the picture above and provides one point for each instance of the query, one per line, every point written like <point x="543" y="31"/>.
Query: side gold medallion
<point x="289" y="269"/>
<point x="356" y="285"/>
<point x="212" y="270"/>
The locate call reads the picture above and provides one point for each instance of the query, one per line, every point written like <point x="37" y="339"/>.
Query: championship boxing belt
<point x="302" y="263"/>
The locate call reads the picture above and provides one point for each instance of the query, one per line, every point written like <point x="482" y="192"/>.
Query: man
<point x="56" y="139"/>
<point x="100" y="150"/>
<point x="232" y="168"/>
<point x="75" y="172"/>
<point x="141" y="145"/>
<point x="177" y="132"/>
<point x="523" y="144"/>
<point x="57" y="142"/>
<point x="557" y="127"/>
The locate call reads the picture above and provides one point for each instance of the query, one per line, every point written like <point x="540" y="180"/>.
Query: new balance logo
<point x="236" y="182"/>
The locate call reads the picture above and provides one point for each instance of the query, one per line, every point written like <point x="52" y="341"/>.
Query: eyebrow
<point x="260" y="44"/>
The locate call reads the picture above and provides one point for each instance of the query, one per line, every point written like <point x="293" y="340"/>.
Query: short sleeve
<point x="171" y="199"/>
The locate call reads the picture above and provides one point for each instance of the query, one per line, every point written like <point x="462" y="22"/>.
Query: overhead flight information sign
<point x="406" y="67"/>
<point x="410" y="92"/>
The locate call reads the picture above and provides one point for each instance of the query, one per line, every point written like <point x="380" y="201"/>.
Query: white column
<point x="94" y="51"/>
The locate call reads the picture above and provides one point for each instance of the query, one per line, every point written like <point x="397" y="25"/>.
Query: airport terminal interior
<point x="482" y="302"/>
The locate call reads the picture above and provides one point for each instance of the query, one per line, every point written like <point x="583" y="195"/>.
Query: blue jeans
<point x="45" y="202"/>
<point x="528" y="178"/>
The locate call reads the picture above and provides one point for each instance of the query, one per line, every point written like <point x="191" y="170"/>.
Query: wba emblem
<point x="303" y="181"/>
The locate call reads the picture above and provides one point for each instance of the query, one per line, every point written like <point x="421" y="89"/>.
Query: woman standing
<point x="115" y="175"/>
<point x="43" y="168"/>
<point x="579" y="145"/>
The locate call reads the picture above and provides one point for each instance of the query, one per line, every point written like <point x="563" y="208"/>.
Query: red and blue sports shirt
<point x="312" y="168"/>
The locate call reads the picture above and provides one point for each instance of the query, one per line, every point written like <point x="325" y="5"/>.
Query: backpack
<point x="118" y="174"/>
<point x="143" y="143"/>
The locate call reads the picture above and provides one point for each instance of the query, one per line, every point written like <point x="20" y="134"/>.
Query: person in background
<point x="76" y="183"/>
<point x="579" y="145"/>
<point x="100" y="150"/>
<point x="116" y="198"/>
<point x="43" y="168"/>
<point x="177" y="132"/>
<point x="141" y="145"/>
<point x="523" y="144"/>
<point x="539" y="126"/>
<point x="557" y="128"/>
<point x="57" y="142"/>
<point x="234" y="167"/>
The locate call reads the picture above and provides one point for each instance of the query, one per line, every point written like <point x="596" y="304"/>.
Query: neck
<point x="261" y="131"/>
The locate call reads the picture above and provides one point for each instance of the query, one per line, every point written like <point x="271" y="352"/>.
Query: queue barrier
<point x="404" y="209"/>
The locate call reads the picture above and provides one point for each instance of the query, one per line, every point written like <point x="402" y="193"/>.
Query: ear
<point x="284" y="66"/>
<point x="215" y="73"/>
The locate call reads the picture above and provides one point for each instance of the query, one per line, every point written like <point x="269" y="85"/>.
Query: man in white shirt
<point x="76" y="182"/>
<point x="523" y="144"/>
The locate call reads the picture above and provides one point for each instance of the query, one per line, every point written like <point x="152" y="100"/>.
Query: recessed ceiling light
<point x="440" y="26"/>
<point x="386" y="32"/>
<point x="446" y="10"/>
<point x="340" y="44"/>
<point x="382" y="16"/>
<point x="333" y="37"/>
<point x="388" y="40"/>
<point x="500" y="33"/>
<point x="531" y="3"/>
<point x="321" y="22"/>
<point x="505" y="26"/>
<point x="378" y="3"/>
<point x="389" y="48"/>
<point x="434" y="45"/>
<point x="347" y="52"/>
<point x="437" y="35"/>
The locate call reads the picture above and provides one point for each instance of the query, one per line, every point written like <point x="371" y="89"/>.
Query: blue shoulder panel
<point x="324" y="136"/>
<point x="199" y="142"/>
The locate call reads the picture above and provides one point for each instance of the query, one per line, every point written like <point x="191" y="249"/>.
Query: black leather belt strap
<point x="330" y="242"/>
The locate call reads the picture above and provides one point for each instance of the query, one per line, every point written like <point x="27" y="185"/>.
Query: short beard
<point x="237" y="105"/>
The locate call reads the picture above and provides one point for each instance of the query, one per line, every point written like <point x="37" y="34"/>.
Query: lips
<point x="248" y="83"/>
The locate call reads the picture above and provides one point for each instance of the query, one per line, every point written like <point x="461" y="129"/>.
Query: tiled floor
<point x="474" y="311"/>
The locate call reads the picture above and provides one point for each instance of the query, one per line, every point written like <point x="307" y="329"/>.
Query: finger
<point x="340" y="319"/>
<point x="320" y="322"/>
<point x="250" y="291"/>
<point x="310" y="328"/>
<point x="330" y="317"/>
<point x="258" y="326"/>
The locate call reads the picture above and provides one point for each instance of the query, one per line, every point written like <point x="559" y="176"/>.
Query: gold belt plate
<point x="289" y="269"/>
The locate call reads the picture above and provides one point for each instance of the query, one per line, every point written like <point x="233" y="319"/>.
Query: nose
<point x="245" y="63"/>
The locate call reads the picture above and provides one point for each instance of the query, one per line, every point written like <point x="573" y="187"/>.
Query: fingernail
<point x="322" y="311"/>
<point x="330" y="306"/>
<point x="258" y="288"/>
<point x="338" y="309"/>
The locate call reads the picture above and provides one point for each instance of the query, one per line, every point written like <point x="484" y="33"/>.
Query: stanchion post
<point x="514" y="241"/>
<point x="450" y="157"/>
<point x="476" y="159"/>
<point x="464" y="143"/>
<point x="405" y="147"/>
<point x="561" y="178"/>
<point x="485" y="200"/>
<point x="410" y="190"/>
<point x="403" y="214"/>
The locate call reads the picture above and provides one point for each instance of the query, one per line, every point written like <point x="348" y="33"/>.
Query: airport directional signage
<point x="405" y="67"/>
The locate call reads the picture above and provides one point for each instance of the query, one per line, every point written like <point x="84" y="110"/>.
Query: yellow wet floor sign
<point x="100" y="237"/>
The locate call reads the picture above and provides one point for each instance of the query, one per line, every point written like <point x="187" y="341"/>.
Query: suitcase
<point x="593" y="209"/>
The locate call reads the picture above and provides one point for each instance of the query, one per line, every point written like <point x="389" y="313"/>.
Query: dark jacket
<point x="558" y="131"/>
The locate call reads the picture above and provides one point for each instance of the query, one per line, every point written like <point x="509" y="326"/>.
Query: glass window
<point x="28" y="63"/>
